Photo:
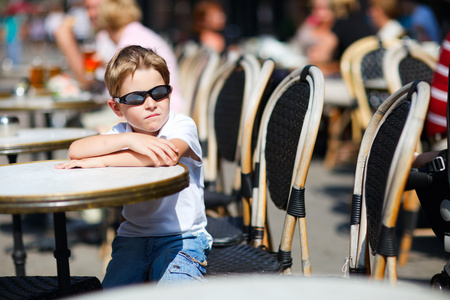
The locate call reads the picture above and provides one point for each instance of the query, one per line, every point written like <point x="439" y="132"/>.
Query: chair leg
<point x="391" y="262"/>
<point x="306" y="263"/>
<point x="333" y="143"/>
<point x="411" y="207"/>
<point x="379" y="267"/>
<point x="339" y="119"/>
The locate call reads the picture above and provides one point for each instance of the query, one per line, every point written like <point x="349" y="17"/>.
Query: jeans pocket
<point x="184" y="268"/>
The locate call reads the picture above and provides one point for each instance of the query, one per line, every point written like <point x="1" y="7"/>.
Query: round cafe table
<point x="32" y="141"/>
<point x="38" y="187"/>
<point x="45" y="105"/>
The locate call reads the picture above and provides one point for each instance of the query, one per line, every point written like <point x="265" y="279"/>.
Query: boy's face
<point x="151" y="115"/>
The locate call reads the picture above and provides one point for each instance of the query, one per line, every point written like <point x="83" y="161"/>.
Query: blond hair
<point x="343" y="8"/>
<point x="200" y="11"/>
<point x="129" y="59"/>
<point x="115" y="14"/>
<point x="389" y="7"/>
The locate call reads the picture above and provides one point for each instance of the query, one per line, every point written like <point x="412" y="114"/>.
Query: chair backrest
<point x="286" y="139"/>
<point x="193" y="63"/>
<point x="227" y="104"/>
<point x="384" y="161"/>
<point x="407" y="62"/>
<point x="370" y="86"/>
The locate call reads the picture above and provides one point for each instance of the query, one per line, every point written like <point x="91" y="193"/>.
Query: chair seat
<point x="226" y="230"/>
<point x="43" y="287"/>
<point x="241" y="259"/>
<point x="215" y="199"/>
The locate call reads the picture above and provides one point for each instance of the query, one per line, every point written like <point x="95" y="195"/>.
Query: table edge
<point x="95" y="199"/>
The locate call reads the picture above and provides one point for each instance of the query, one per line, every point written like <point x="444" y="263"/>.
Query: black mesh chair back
<point x="407" y="62"/>
<point x="367" y="73"/>
<point x="233" y="112"/>
<point x="286" y="139"/>
<point x="411" y="69"/>
<point x="404" y="64"/>
<point x="228" y="98"/>
<point x="283" y="133"/>
<point x="372" y="71"/>
<point x="378" y="165"/>
<point x="228" y="112"/>
<point x="384" y="160"/>
<point x="372" y="64"/>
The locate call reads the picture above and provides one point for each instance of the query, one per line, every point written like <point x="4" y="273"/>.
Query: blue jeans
<point x="168" y="259"/>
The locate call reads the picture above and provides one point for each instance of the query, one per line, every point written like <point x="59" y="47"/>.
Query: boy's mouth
<point x="152" y="116"/>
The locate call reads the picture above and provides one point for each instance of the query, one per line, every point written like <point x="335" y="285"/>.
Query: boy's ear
<point x="115" y="107"/>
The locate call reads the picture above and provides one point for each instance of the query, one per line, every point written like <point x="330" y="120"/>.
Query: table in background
<point x="32" y="141"/>
<point x="46" y="105"/>
<point x="38" y="187"/>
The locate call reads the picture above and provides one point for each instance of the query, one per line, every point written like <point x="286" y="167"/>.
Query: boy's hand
<point x="92" y="162"/>
<point x="160" y="151"/>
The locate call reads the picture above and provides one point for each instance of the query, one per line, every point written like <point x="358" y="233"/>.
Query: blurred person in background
<point x="13" y="30"/>
<point x="350" y="24"/>
<point x="121" y="19"/>
<point x="420" y="21"/>
<point x="53" y="19"/>
<point x="316" y="39"/>
<point x="209" y="21"/>
<point x="67" y="42"/>
<point x="82" y="28"/>
<point x="383" y="15"/>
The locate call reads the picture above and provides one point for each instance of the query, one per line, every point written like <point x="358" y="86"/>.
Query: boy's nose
<point x="149" y="102"/>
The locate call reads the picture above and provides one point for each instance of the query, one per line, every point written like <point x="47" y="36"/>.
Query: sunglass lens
<point x="160" y="92"/>
<point x="134" y="99"/>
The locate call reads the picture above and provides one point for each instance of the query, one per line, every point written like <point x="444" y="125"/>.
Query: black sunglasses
<point x="138" y="97"/>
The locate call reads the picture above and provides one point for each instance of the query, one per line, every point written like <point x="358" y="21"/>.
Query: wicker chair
<point x="402" y="64"/>
<point x="361" y="69"/>
<point x="193" y="64"/>
<point x="370" y="85"/>
<point x="405" y="63"/>
<point x="43" y="287"/>
<point x="384" y="160"/>
<point x="286" y="139"/>
<point x="228" y="111"/>
<point x="47" y="287"/>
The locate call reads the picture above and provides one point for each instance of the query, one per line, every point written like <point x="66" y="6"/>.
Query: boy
<point x="162" y="240"/>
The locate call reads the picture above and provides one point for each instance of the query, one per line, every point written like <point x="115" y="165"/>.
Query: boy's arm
<point x="184" y="149"/>
<point x="143" y="144"/>
<point x="107" y="150"/>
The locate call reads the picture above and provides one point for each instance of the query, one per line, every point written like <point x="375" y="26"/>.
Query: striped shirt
<point x="437" y="112"/>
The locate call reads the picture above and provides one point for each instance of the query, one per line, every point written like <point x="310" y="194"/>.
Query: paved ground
<point x="328" y="195"/>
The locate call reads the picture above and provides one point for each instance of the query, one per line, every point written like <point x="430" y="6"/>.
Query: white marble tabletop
<point x="39" y="187"/>
<point x="42" y="139"/>
<point x="46" y="103"/>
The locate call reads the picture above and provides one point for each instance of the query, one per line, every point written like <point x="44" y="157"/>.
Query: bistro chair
<point x="43" y="287"/>
<point x="234" y="228"/>
<point x="287" y="134"/>
<point x="384" y="160"/>
<point x="371" y="87"/>
<point x="406" y="62"/>
<point x="195" y="63"/>
<point x="228" y="108"/>
<point x="362" y="72"/>
<point x="402" y="64"/>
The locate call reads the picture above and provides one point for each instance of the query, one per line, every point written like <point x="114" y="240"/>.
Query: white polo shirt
<point x="178" y="213"/>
